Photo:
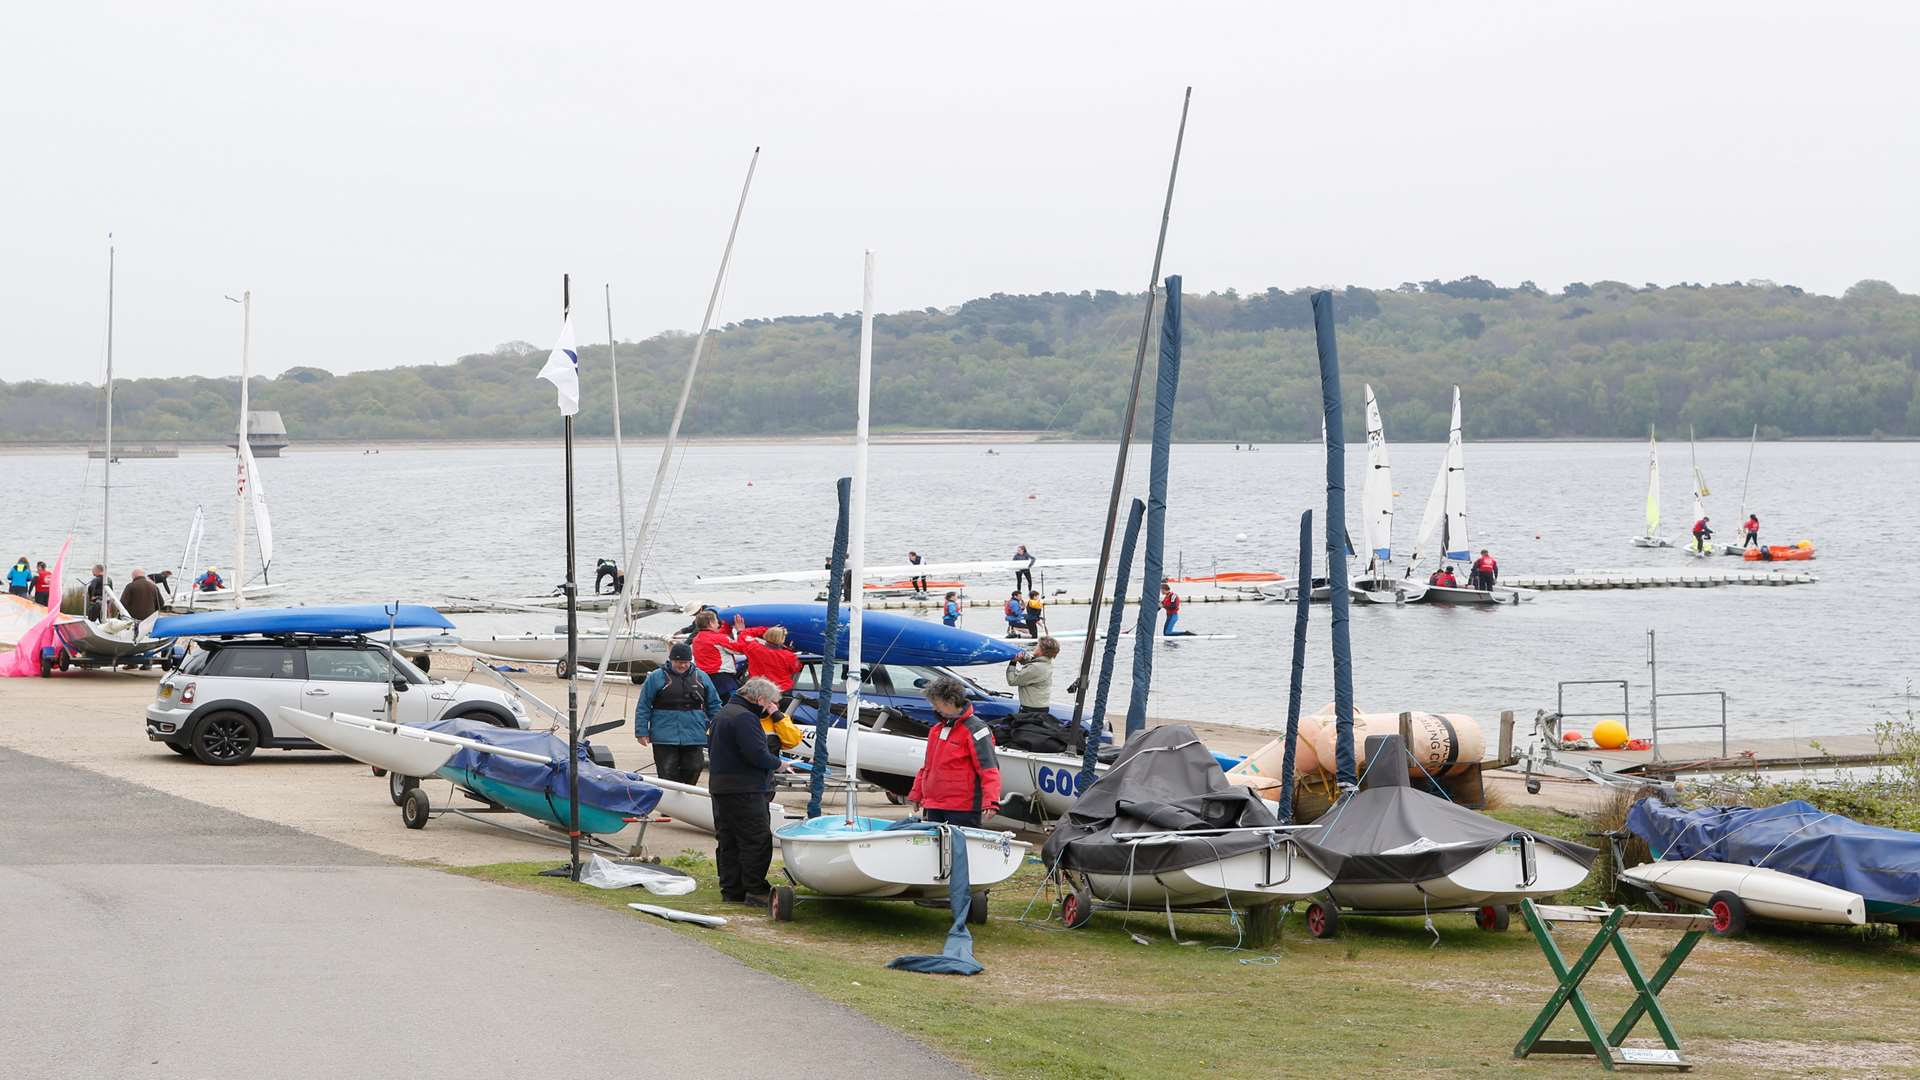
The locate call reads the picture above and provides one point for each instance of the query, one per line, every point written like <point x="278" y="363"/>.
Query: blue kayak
<point x="332" y="620"/>
<point x="885" y="638"/>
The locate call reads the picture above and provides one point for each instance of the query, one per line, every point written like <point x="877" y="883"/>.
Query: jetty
<point x="1656" y="579"/>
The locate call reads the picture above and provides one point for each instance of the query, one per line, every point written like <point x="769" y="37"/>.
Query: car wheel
<point x="225" y="738"/>
<point x="398" y="786"/>
<point x="416" y="809"/>
<point x="484" y="716"/>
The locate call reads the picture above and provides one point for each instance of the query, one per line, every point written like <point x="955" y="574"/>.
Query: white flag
<point x="563" y="369"/>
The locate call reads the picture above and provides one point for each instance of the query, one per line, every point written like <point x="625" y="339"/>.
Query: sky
<point x="404" y="183"/>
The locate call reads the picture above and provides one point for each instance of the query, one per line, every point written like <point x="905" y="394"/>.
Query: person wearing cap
<point x="676" y="706"/>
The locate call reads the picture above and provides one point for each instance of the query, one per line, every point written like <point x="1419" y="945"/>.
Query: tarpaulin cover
<point x="1163" y="781"/>
<point x="1389" y="831"/>
<point x="623" y="793"/>
<point x="1882" y="865"/>
<point x="333" y="619"/>
<point x="885" y="638"/>
<point x="957" y="957"/>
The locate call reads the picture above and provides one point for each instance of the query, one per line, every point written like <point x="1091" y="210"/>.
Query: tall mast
<point x="857" y="545"/>
<point x="106" y="482"/>
<point x="1126" y="427"/>
<point x="240" y="453"/>
<point x="619" y="470"/>
<point x="573" y="632"/>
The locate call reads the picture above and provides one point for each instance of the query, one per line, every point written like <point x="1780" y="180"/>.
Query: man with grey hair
<point x="141" y="598"/>
<point x="741" y="785"/>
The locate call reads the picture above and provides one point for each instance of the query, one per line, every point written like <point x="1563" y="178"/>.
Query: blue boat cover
<point x="623" y="793"/>
<point x="332" y="620"/>
<point x="1882" y="865"/>
<point x="885" y="638"/>
<point x="957" y="957"/>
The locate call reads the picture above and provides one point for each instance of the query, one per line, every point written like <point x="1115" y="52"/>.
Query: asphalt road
<point x="144" y="935"/>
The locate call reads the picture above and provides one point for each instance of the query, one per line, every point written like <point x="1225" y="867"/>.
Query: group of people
<point x="34" y="582"/>
<point x="1023" y="614"/>
<point x="1483" y="573"/>
<point x="1703" y="532"/>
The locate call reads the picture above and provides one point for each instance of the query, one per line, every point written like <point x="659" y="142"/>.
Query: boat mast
<point x="857" y="546"/>
<point x="623" y="610"/>
<point x="1126" y="427"/>
<point x="613" y="370"/>
<point x="240" y="453"/>
<point x="106" y="482"/>
<point x="1753" y="440"/>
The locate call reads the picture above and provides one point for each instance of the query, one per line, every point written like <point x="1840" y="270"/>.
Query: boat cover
<point x="956" y="958"/>
<point x="1163" y="781"/>
<point x="1882" y="865"/>
<point x="885" y="638"/>
<point x="336" y="619"/>
<point x="618" y="792"/>
<point x="1390" y="831"/>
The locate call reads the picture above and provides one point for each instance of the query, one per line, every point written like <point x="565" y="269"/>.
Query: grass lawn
<point x="1387" y="998"/>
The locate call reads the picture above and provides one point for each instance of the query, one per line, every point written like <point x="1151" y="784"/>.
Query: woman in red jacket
<point x="769" y="658"/>
<point x="960" y="782"/>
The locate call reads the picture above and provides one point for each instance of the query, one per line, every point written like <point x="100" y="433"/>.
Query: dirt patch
<point x="1836" y="1059"/>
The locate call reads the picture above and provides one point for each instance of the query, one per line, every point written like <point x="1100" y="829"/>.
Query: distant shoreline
<point x="893" y="438"/>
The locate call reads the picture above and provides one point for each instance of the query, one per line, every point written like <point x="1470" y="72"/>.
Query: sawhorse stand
<point x="1606" y="1048"/>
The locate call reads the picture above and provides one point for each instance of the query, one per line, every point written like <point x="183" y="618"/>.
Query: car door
<point x="265" y="677"/>
<point x="346" y="679"/>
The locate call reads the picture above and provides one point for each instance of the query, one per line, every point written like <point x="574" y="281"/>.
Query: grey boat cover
<point x="1165" y="780"/>
<point x="1389" y="831"/>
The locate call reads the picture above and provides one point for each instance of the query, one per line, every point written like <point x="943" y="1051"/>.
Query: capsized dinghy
<point x="1405" y="852"/>
<point x="1163" y="828"/>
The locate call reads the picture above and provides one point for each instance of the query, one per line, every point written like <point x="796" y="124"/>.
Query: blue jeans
<point x="1173" y="620"/>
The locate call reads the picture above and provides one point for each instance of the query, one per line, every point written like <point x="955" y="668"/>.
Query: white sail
<point x="1653" y="485"/>
<point x="1376" y="495"/>
<point x="1436" y="510"/>
<point x="190" y="551"/>
<point x="257" y="495"/>
<point x="1454" y="544"/>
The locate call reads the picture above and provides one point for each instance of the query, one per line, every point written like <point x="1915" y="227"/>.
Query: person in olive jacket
<point x="741" y="786"/>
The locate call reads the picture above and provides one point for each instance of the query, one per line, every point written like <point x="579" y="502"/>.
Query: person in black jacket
<point x="741" y="785"/>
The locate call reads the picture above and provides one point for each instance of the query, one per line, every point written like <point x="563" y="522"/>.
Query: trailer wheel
<point x="1323" y="919"/>
<point x="415" y="808"/>
<point x="398" y="786"/>
<point x="1729" y="914"/>
<point x="1076" y="908"/>
<point x="780" y="903"/>
<point x="46" y="667"/>
<point x="1533" y="786"/>
<point x="1493" y="917"/>
<point x="977" y="909"/>
<point x="560" y="670"/>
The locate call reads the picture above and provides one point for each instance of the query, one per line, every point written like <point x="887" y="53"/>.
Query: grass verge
<point x="1389" y="997"/>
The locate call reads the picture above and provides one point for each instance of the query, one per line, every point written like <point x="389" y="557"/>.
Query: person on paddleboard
<point x="1035" y="618"/>
<point x="1021" y="554"/>
<point x="919" y="580"/>
<point x="950" y="615"/>
<point x="1702" y="532"/>
<point x="1753" y="532"/>
<point x="1170" y="603"/>
<point x="1486" y="570"/>
<point x="1015" y="611"/>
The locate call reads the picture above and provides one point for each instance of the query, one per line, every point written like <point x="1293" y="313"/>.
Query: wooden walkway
<point x="1657" y="579"/>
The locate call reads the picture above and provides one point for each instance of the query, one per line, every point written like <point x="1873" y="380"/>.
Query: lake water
<point x="1803" y="660"/>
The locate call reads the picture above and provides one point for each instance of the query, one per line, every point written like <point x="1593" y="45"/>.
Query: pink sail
<point x="25" y="661"/>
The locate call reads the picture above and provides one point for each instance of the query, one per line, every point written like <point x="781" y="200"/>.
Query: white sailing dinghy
<point x="1770" y="894"/>
<point x="1445" y="521"/>
<point x="1694" y="547"/>
<point x="1652" y="538"/>
<point x="1380" y="585"/>
<point x="846" y="855"/>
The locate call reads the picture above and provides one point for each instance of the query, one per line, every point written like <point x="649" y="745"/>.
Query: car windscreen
<point x="258" y="663"/>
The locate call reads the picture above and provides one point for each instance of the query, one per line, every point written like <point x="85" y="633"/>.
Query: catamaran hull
<point x="1253" y="877"/>
<point x="401" y="750"/>
<point x="97" y="641"/>
<point x="875" y="863"/>
<point x="1441" y="594"/>
<point x="196" y="599"/>
<point x="539" y="805"/>
<point x="1498" y="877"/>
<point x="1769" y="894"/>
<point x="1650" y="542"/>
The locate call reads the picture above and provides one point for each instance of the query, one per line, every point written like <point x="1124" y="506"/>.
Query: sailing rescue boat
<point x="847" y="855"/>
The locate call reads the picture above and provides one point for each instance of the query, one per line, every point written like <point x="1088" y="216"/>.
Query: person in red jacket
<point x="1753" y="532"/>
<point x="42" y="584"/>
<point x="960" y="782"/>
<point x="769" y="658"/>
<point x="717" y="651"/>
<point x="1486" y="570"/>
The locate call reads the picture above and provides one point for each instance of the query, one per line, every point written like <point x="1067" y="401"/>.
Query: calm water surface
<point x="1803" y="660"/>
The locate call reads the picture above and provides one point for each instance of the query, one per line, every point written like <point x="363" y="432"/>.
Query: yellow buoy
<point x="1610" y="734"/>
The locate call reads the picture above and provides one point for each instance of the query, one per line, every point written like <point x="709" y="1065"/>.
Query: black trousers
<point x="968" y="818"/>
<point x="1023" y="575"/>
<point x="725" y="682"/>
<point x="1753" y="540"/>
<point x="745" y="847"/>
<point x="919" y="584"/>
<point x="681" y="764"/>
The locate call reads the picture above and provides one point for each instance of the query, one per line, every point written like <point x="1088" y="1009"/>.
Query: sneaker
<point x="732" y="899"/>
<point x="759" y="900"/>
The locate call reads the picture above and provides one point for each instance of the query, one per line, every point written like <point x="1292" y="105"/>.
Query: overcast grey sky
<point x="403" y="182"/>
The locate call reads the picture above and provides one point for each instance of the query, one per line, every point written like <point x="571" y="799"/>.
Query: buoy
<point x="1609" y="734"/>
<point x="1239" y="538"/>
<point x="1536" y="536"/>
<point x="749" y="483"/>
<point x="1441" y="743"/>
<point x="1572" y="736"/>
<point x="1033" y="496"/>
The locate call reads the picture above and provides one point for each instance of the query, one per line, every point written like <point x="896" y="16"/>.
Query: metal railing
<point x="1653" y="703"/>
<point x="1624" y="712"/>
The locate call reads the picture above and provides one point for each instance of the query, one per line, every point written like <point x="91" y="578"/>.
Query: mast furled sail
<point x="1653" y="484"/>
<point x="1376" y="495"/>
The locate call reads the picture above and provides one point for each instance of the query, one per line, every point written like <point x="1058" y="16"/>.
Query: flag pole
<point x="573" y="640"/>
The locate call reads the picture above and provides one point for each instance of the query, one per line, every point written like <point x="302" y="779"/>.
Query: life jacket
<point x="782" y="727"/>
<point x="1485" y="564"/>
<point x="1753" y="524"/>
<point x="1171" y="603"/>
<point x="1034" y="608"/>
<point x="1700" y="526"/>
<point x="681" y="693"/>
<point x="1016" y="611"/>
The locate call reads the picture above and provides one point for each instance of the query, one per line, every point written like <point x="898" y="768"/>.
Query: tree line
<point x="1594" y="360"/>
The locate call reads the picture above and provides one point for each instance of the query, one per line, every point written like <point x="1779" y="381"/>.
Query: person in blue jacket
<point x="676" y="707"/>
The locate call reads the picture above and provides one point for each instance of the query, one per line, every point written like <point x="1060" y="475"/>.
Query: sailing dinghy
<point x="1445" y="520"/>
<point x="1695" y="548"/>
<point x="847" y="855"/>
<point x="1380" y="585"/>
<point x="1652" y="538"/>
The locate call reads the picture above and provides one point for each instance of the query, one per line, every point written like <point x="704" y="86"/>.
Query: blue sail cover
<point x="623" y="794"/>
<point x="1882" y="865"/>
<point x="885" y="638"/>
<point x="328" y="620"/>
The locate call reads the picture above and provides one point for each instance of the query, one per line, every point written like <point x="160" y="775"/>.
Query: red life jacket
<point x="1171" y="603"/>
<point x="1753" y="524"/>
<point x="1700" y="526"/>
<point x="961" y="771"/>
<point x="1486" y="564"/>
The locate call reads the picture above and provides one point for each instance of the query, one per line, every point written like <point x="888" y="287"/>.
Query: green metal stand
<point x="1646" y="1003"/>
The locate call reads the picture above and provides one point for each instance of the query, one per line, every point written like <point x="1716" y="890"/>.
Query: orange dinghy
<point x="1799" y="552"/>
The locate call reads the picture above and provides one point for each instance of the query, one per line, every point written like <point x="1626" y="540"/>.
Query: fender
<point x="475" y="710"/>
<point x="267" y="739"/>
